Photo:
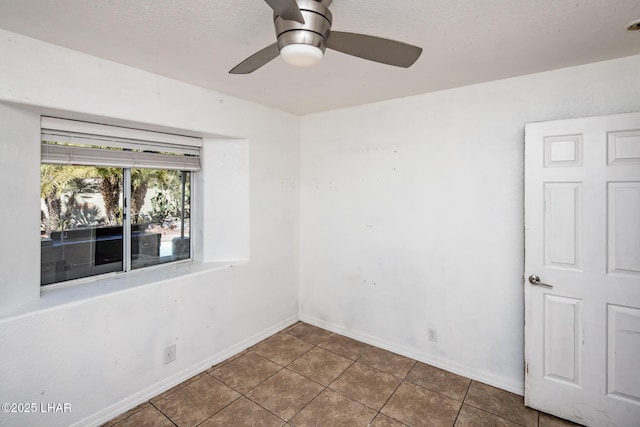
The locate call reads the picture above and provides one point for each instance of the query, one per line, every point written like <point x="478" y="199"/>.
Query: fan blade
<point x="257" y="60"/>
<point x="373" y="48"/>
<point x="286" y="9"/>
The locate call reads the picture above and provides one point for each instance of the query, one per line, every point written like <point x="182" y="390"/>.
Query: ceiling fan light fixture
<point x="301" y="55"/>
<point x="634" y="25"/>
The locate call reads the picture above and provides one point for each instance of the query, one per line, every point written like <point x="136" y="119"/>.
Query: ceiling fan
<point x="303" y="30"/>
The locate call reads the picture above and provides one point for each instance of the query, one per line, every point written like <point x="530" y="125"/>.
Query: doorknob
<point x="535" y="280"/>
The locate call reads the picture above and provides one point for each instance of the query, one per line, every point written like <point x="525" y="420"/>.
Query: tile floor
<point x="307" y="376"/>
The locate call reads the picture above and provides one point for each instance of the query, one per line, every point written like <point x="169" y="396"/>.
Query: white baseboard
<point x="498" y="381"/>
<point x="142" y="396"/>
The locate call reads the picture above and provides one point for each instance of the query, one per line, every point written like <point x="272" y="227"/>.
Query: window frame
<point x="122" y="137"/>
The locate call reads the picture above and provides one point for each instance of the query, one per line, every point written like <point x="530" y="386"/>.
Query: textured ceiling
<point x="464" y="41"/>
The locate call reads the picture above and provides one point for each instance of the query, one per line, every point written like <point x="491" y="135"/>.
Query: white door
<point x="582" y="239"/>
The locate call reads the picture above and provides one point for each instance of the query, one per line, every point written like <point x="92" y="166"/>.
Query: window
<point x="112" y="199"/>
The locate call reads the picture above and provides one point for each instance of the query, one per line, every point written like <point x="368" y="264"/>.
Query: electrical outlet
<point x="433" y="335"/>
<point x="170" y="354"/>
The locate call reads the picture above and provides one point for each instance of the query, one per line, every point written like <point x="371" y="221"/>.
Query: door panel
<point x="624" y="227"/>
<point x="563" y="225"/>
<point x="562" y="336"/>
<point x="624" y="147"/>
<point x="563" y="151"/>
<point x="582" y="237"/>
<point x="623" y="342"/>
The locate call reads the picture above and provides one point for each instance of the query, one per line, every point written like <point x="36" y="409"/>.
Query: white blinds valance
<point x="115" y="146"/>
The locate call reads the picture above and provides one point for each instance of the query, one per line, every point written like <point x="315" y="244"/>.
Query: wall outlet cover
<point x="170" y="354"/>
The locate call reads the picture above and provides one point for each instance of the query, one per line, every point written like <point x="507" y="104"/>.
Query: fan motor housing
<point x="315" y="30"/>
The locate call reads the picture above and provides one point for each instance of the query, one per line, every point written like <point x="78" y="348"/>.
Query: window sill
<point x="53" y="296"/>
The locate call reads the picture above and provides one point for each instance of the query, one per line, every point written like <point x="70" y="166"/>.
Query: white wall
<point x="412" y="214"/>
<point x="104" y="353"/>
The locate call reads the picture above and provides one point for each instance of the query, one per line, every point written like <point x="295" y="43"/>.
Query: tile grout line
<point x="248" y="391"/>
<point x="387" y="401"/>
<point x="282" y="367"/>
<point x="462" y="403"/>
<point x="221" y="409"/>
<point x="212" y="415"/>
<point x="319" y="393"/>
<point x="402" y="380"/>
<point x="353" y="362"/>
<point x="239" y="391"/>
<point x="286" y="331"/>
<point x="436" y="391"/>
<point x="163" y="414"/>
<point x="495" y="415"/>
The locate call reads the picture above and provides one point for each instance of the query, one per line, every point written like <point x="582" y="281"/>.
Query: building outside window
<point x="110" y="203"/>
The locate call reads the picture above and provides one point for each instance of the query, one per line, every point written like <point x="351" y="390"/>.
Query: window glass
<point x="81" y="221"/>
<point x="160" y="216"/>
